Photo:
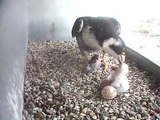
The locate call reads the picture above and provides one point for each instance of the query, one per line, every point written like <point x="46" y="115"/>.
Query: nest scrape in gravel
<point x="56" y="88"/>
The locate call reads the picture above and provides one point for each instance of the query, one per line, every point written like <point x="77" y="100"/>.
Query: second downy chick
<point x="94" y="63"/>
<point x="118" y="76"/>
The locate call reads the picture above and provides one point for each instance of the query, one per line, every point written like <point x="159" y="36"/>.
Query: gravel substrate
<point x="56" y="88"/>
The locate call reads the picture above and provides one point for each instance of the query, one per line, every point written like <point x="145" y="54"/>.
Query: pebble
<point x="122" y="114"/>
<point x="111" y="111"/>
<point x="36" y="108"/>
<point x="55" y="118"/>
<point x="71" y="105"/>
<point x="114" y="118"/>
<point x="77" y="107"/>
<point x="139" y="116"/>
<point x="130" y="112"/>
<point x="105" y="117"/>
<point x="50" y="99"/>
<point x="85" y="110"/>
<point x="93" y="115"/>
<point x="82" y="114"/>
<point x="120" y="119"/>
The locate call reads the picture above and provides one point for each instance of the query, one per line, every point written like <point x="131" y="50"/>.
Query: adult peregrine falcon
<point x="99" y="34"/>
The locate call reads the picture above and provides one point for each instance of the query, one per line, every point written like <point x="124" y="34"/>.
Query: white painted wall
<point x="13" y="51"/>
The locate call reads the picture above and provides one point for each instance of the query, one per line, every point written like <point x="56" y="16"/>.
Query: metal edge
<point x="142" y="61"/>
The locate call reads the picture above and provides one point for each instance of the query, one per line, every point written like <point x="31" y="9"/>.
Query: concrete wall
<point x="13" y="49"/>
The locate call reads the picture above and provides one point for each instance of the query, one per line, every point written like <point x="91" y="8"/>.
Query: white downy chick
<point x="119" y="77"/>
<point x="94" y="63"/>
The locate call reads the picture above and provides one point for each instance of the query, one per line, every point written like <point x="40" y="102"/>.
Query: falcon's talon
<point x="106" y="66"/>
<point x="123" y="57"/>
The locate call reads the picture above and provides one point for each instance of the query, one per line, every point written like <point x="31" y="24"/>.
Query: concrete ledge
<point x="143" y="61"/>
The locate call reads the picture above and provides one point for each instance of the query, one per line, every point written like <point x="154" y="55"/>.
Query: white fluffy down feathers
<point x="119" y="78"/>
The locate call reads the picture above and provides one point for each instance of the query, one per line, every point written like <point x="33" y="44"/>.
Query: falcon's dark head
<point x="77" y="27"/>
<point x="119" y="48"/>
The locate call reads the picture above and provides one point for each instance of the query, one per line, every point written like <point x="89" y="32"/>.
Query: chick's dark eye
<point x="114" y="68"/>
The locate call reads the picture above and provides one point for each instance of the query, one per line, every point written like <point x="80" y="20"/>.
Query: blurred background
<point x="53" y="19"/>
